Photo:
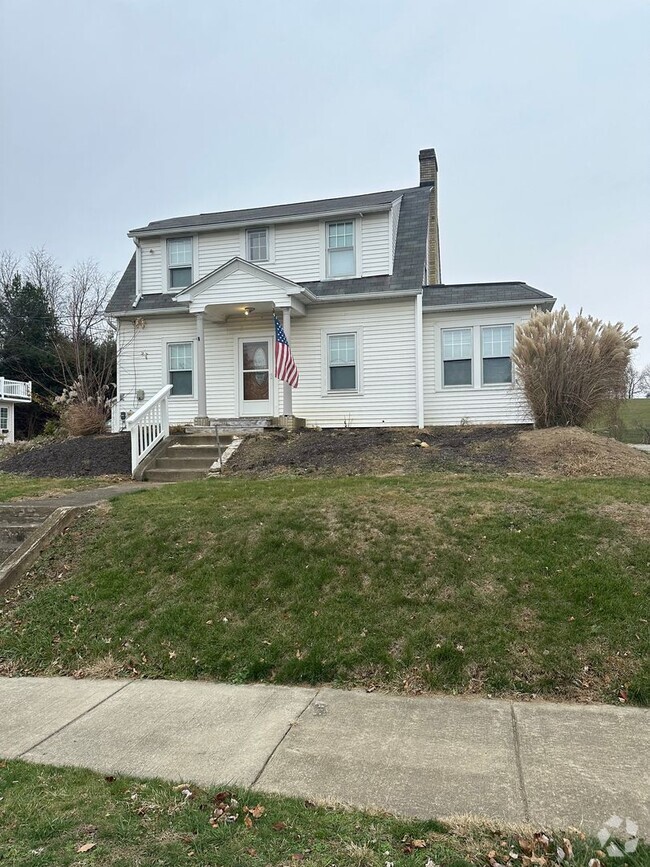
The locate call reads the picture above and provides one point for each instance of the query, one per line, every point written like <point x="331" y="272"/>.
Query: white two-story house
<point x="377" y="338"/>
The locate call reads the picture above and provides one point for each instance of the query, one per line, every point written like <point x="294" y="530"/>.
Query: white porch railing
<point x="14" y="389"/>
<point x="149" y="425"/>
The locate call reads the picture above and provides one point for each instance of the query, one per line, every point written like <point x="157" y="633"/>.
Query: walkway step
<point x="204" y="452"/>
<point x="163" y="475"/>
<point x="167" y="462"/>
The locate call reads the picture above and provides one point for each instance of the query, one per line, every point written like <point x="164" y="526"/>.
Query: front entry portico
<point x="241" y="293"/>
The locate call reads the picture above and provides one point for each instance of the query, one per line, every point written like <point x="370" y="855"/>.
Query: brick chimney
<point x="429" y="178"/>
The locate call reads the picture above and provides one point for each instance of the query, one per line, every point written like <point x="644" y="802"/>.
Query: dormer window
<point x="257" y="245"/>
<point x="340" y="249"/>
<point x="179" y="262"/>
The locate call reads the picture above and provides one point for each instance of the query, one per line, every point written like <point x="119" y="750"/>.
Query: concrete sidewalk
<point x="552" y="764"/>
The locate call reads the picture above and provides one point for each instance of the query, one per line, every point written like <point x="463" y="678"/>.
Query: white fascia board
<point x="268" y="221"/>
<point x="137" y="314"/>
<point x="363" y="296"/>
<point x="490" y="305"/>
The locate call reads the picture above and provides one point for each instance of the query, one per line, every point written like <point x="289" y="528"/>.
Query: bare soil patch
<point x="102" y="455"/>
<point x="396" y="451"/>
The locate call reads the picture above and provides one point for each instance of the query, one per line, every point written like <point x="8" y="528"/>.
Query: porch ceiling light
<point x="248" y="311"/>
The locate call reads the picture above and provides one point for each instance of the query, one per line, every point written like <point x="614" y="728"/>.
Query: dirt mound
<point x="394" y="451"/>
<point x="577" y="452"/>
<point x="104" y="455"/>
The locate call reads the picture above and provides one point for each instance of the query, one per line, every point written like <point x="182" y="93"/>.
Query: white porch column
<point x="200" y="368"/>
<point x="287" y="393"/>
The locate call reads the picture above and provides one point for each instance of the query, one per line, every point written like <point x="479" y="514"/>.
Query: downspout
<point x="138" y="272"/>
<point x="419" y="362"/>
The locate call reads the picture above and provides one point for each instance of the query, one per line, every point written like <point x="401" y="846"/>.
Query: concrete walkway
<point x="552" y="764"/>
<point x="88" y="497"/>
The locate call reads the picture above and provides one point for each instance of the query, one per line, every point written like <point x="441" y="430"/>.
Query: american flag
<point x="285" y="366"/>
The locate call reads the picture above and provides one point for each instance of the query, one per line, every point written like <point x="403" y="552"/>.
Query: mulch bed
<point x="104" y="455"/>
<point x="504" y="449"/>
<point x="356" y="451"/>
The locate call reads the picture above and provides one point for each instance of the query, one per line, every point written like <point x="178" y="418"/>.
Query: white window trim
<point x="356" y="240"/>
<point x="6" y="429"/>
<point x="497" y="385"/>
<point x="164" y="256"/>
<point x="166" y="345"/>
<point x="326" y="333"/>
<point x="270" y="246"/>
<point x="441" y="331"/>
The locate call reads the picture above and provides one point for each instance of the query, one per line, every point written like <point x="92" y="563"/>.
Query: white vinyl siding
<point x="217" y="248"/>
<point x="478" y="404"/>
<point x="151" y="268"/>
<point x="375" y="245"/>
<point x="142" y="361"/>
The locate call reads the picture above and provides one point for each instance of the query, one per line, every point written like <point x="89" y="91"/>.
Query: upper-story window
<point x="179" y="262"/>
<point x="257" y="245"/>
<point x="341" y="260"/>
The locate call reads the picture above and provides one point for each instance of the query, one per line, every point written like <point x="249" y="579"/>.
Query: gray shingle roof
<point x="408" y="266"/>
<point x="271" y="212"/>
<point x="448" y="295"/>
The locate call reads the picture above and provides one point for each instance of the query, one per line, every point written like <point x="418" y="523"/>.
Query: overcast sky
<point x="118" y="112"/>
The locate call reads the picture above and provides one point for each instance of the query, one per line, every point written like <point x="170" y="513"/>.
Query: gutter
<point x="478" y="305"/>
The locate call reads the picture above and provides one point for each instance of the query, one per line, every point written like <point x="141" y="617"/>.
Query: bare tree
<point x="637" y="380"/>
<point x="9" y="268"/>
<point x="44" y="271"/>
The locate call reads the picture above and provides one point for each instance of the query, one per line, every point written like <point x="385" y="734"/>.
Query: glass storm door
<point x="255" y="377"/>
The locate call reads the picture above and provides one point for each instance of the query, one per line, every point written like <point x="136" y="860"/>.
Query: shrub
<point x="569" y="366"/>
<point x="83" y="419"/>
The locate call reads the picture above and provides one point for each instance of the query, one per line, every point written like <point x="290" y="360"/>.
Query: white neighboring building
<point x="12" y="391"/>
<point x="377" y="337"/>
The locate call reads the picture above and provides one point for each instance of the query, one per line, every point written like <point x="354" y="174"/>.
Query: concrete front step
<point x="206" y="453"/>
<point x="203" y="439"/>
<point x="169" y="475"/>
<point x="168" y="462"/>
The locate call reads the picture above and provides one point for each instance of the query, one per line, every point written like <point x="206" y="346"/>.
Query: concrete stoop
<point x="190" y="456"/>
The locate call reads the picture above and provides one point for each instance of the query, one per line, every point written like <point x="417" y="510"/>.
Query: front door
<point x="255" y="377"/>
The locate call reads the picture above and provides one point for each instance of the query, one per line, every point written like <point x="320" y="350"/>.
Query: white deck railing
<point x="149" y="425"/>
<point x="14" y="389"/>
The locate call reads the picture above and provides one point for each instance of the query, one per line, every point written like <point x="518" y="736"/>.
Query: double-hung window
<point x="341" y="260"/>
<point x="4" y="419"/>
<point x="180" y="361"/>
<point x="496" y="350"/>
<point x="257" y="245"/>
<point x="342" y="362"/>
<point x="456" y="356"/>
<point x="179" y="262"/>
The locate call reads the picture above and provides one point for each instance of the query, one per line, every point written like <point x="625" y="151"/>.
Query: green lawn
<point x="57" y="817"/>
<point x="13" y="486"/>
<point x="447" y="583"/>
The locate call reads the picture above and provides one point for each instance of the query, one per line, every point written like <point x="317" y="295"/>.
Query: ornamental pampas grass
<point x="568" y="366"/>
